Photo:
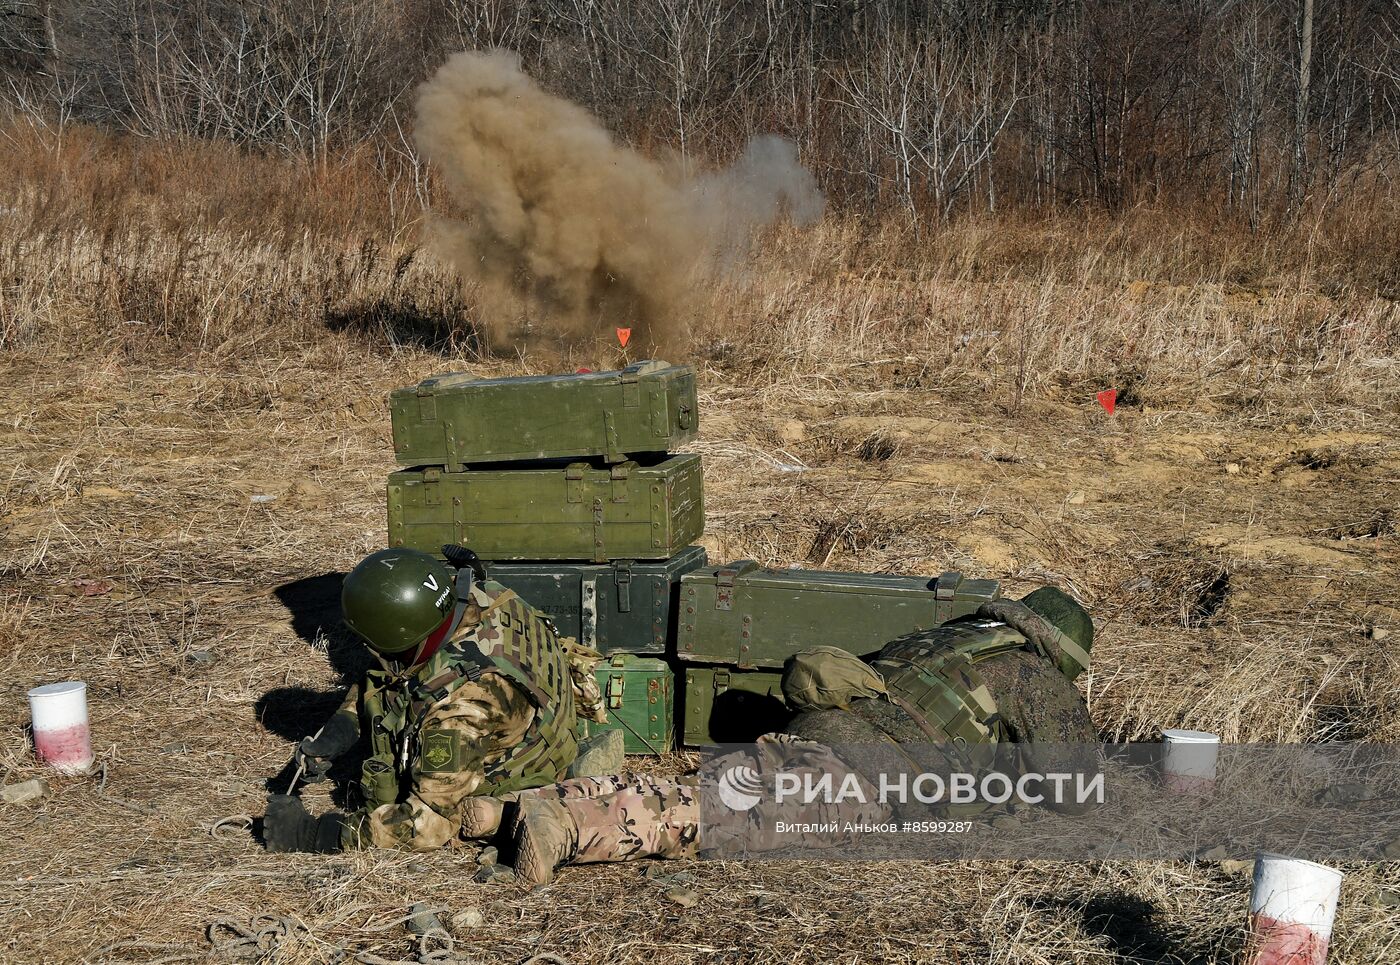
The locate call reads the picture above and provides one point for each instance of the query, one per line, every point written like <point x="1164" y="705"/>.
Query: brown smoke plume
<point x="569" y="234"/>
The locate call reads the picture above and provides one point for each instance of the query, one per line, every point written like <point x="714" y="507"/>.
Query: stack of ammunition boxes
<point x="569" y="488"/>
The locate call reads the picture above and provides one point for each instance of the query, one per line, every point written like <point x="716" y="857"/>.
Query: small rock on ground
<point x="467" y="918"/>
<point x="423" y="921"/>
<point x="683" y="896"/>
<point x="25" y="792"/>
<point x="493" y="874"/>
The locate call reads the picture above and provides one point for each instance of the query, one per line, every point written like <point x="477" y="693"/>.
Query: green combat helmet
<point x="396" y="598"/>
<point x="1062" y="612"/>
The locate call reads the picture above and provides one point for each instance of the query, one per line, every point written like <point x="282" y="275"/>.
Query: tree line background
<point x="1257" y="110"/>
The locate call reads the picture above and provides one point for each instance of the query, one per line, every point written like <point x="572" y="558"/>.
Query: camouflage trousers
<point x="758" y="829"/>
<point x="621" y="817"/>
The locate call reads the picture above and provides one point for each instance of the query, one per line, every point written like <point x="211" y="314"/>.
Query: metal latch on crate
<point x="573" y="481"/>
<point x="631" y="387"/>
<point x="724" y="583"/>
<point x="432" y="491"/>
<point x="620" y="473"/>
<point x="427" y="404"/>
<point x="615" y="687"/>
<point x="622" y="572"/>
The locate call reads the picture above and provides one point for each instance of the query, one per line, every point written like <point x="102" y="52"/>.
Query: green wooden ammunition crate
<point x="638" y="693"/>
<point x="630" y="511"/>
<point x="747" y="616"/>
<point x="623" y="606"/>
<point x="724" y="706"/>
<point x="458" y="420"/>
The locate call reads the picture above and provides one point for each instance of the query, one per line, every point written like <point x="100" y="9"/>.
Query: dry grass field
<point x="184" y="330"/>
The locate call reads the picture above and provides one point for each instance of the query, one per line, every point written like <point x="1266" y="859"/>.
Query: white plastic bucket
<point x="61" y="735"/>
<point x="1291" y="910"/>
<point x="1188" y="760"/>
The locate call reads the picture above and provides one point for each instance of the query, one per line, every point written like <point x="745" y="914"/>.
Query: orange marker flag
<point x="623" y="335"/>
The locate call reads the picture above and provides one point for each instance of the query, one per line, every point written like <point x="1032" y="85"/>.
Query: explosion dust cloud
<point x="565" y="233"/>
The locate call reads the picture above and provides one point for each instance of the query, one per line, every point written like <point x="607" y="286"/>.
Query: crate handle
<point x="725" y="575"/>
<point x="946" y="586"/>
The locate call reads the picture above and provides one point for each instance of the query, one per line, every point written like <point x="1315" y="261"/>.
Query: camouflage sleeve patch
<point x="441" y="751"/>
<point x="462" y="733"/>
<point x="588" y="696"/>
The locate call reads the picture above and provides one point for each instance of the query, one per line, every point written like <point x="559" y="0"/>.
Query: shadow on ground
<point x="1134" y="929"/>
<point x="404" y="323"/>
<point x="314" y="605"/>
<point x="292" y="713"/>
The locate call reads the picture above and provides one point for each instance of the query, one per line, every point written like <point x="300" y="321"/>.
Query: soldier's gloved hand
<point x="314" y="755"/>
<point x="288" y="826"/>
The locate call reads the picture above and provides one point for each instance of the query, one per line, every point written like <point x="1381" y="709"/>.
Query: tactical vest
<point x="516" y="642"/>
<point x="933" y="676"/>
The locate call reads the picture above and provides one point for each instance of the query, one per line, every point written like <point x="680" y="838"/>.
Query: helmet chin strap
<point x="435" y="640"/>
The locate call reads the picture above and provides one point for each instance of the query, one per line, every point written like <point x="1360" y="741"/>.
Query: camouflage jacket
<point x="445" y="729"/>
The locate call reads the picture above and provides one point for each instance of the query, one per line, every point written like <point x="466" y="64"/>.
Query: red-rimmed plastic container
<point x="1188" y="760"/>
<point x="62" y="738"/>
<point x="1291" y="910"/>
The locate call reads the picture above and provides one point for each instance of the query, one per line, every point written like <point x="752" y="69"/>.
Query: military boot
<point x="481" y="816"/>
<point x="658" y="818"/>
<point x="545" y="835"/>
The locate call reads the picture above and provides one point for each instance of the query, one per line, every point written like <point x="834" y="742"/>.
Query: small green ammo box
<point x="624" y="606"/>
<point x="455" y="421"/>
<point x="638" y="693"/>
<point x="643" y="510"/>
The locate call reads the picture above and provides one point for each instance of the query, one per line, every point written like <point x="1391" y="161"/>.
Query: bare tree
<point x="940" y="108"/>
<point x="1300" y="136"/>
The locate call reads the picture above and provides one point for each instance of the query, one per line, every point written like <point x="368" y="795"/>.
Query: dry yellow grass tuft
<point x="184" y="328"/>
